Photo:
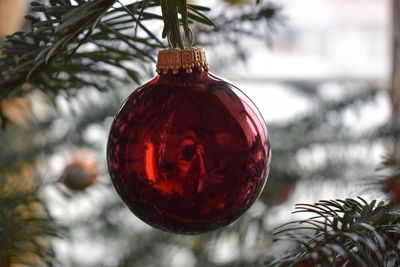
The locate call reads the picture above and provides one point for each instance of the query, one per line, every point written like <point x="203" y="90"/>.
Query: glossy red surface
<point x="188" y="153"/>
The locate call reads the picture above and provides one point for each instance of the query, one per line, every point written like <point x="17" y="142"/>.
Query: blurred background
<point x="319" y="72"/>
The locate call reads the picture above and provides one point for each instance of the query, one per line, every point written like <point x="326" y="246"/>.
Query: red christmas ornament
<point x="188" y="152"/>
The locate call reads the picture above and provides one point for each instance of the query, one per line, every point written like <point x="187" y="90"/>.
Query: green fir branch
<point x="56" y="28"/>
<point x="44" y="56"/>
<point x="343" y="233"/>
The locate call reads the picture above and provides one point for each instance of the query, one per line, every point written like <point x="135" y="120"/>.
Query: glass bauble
<point x="188" y="153"/>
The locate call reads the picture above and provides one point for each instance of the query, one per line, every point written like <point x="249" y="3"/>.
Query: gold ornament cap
<point x="176" y="59"/>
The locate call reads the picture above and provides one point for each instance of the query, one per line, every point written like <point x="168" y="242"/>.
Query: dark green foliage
<point x="344" y="233"/>
<point x="54" y="28"/>
<point x="47" y="56"/>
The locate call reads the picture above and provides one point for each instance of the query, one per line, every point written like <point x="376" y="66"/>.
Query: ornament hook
<point x="190" y="37"/>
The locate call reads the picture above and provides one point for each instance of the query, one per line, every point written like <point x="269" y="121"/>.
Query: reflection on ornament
<point x="188" y="152"/>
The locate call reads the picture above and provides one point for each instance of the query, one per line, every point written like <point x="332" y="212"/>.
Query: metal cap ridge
<point x="177" y="59"/>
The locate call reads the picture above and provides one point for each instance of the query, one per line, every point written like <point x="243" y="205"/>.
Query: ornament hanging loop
<point x="190" y="39"/>
<point x="169" y="42"/>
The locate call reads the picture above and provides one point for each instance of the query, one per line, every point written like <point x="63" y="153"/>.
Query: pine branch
<point x="344" y="233"/>
<point x="27" y="54"/>
<point x="66" y="40"/>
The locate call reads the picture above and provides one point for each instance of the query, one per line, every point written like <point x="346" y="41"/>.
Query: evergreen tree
<point x="61" y="82"/>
